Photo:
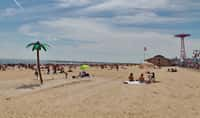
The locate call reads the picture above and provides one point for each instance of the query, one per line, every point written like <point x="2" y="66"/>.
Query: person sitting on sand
<point x="174" y="70"/>
<point x="149" y="75"/>
<point x="84" y="74"/>
<point x="168" y="70"/>
<point x="141" y="78"/>
<point x="131" y="78"/>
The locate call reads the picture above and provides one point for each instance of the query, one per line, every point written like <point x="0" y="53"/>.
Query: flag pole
<point x="145" y="49"/>
<point x="144" y="55"/>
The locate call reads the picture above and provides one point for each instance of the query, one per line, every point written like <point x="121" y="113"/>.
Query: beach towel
<point x="133" y="82"/>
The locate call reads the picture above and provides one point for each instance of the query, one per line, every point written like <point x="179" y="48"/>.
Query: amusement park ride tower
<point x="183" y="52"/>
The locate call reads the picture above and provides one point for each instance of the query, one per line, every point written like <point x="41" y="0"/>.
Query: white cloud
<point x="147" y="18"/>
<point x="127" y="10"/>
<point x="8" y="12"/>
<point x="107" y="5"/>
<point x="71" y="3"/>
<point x="114" y="39"/>
<point x="27" y="29"/>
<point x="113" y="44"/>
<point x="136" y="11"/>
<point x="128" y="4"/>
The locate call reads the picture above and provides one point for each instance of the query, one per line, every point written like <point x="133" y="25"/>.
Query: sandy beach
<point x="99" y="59"/>
<point x="102" y="96"/>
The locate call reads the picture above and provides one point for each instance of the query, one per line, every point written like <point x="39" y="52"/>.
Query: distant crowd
<point x="60" y="67"/>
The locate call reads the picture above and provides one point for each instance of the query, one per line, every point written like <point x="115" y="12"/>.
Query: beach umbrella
<point x="84" y="67"/>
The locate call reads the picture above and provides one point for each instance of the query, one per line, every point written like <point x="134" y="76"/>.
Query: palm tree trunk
<point x="38" y="67"/>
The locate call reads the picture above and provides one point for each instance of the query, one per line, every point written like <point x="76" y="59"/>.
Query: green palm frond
<point x="29" y="45"/>
<point x="43" y="47"/>
<point x="38" y="46"/>
<point x="33" y="48"/>
<point x="46" y="45"/>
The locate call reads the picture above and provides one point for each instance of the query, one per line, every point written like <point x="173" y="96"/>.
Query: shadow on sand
<point x="28" y="86"/>
<point x="156" y="81"/>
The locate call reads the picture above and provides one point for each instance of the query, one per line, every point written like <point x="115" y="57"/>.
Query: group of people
<point x="172" y="70"/>
<point x="5" y="67"/>
<point x="141" y="79"/>
<point x="84" y="74"/>
<point x="81" y="74"/>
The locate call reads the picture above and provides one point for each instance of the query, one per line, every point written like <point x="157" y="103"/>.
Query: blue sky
<point x="98" y="30"/>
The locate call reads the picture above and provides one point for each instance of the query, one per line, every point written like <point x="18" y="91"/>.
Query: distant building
<point x="160" y="60"/>
<point x="176" y="61"/>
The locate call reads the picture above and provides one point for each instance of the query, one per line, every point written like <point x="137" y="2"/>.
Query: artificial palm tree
<point x="38" y="47"/>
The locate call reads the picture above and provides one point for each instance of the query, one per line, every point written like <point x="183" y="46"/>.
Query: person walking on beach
<point x="117" y="67"/>
<point x="48" y="70"/>
<point x="36" y="74"/>
<point x="54" y="69"/>
<point x="66" y="75"/>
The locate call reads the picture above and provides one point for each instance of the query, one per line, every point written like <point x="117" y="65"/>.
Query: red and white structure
<point x="183" y="51"/>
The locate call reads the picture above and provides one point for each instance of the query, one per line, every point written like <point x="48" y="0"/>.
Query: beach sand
<point x="104" y="95"/>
